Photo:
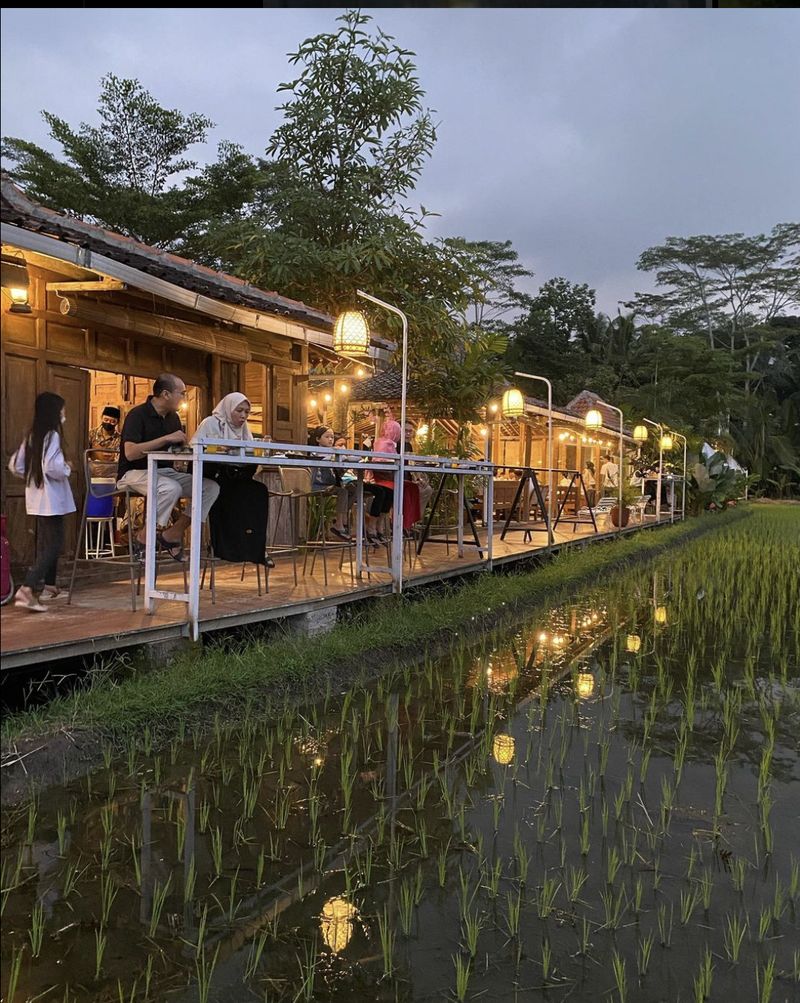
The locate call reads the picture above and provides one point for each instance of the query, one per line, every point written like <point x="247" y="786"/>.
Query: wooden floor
<point x="100" y="618"/>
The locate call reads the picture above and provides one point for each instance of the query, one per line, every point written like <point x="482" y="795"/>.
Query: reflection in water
<point x="336" y="923"/>
<point x="585" y="685"/>
<point x="503" y="749"/>
<point x="661" y="615"/>
<point x="633" y="643"/>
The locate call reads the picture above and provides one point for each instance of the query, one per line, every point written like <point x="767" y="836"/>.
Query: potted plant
<point x="630" y="494"/>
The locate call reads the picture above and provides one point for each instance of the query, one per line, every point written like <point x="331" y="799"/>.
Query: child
<point x="48" y="496"/>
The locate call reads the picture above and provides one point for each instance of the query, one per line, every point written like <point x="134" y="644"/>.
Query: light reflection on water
<point x="563" y="774"/>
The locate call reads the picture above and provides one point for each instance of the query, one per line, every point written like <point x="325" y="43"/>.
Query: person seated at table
<point x="239" y="518"/>
<point x="155" y="427"/>
<point x="329" y="479"/>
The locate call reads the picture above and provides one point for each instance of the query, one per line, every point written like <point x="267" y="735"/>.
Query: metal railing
<point x="272" y="455"/>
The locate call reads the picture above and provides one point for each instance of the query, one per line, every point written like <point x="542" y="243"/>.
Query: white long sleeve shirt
<point x="54" y="497"/>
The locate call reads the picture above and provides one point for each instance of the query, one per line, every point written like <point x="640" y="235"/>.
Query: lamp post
<point x="543" y="379"/>
<point x="397" y="528"/>
<point x="683" y="482"/>
<point x="660" y="427"/>
<point x="594" y="419"/>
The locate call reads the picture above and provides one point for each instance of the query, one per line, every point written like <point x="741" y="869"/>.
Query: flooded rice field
<point x="602" y="803"/>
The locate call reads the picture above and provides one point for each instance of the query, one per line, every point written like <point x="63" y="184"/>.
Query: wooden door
<point x="73" y="385"/>
<point x="283" y="403"/>
<point x="19" y="393"/>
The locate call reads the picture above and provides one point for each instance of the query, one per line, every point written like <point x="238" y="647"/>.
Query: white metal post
<point x="550" y="485"/>
<point x="195" y="534"/>
<point x="683" y="482"/>
<point x="660" y="427"/>
<point x="397" y="525"/>
<point x="150" y="535"/>
<point x="359" y="524"/>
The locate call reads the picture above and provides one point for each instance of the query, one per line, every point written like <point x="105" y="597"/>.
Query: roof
<point x="18" y="209"/>
<point x="587" y="401"/>
<point x="383" y="386"/>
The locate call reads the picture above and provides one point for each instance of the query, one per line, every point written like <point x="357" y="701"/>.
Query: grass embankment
<point x="195" y="687"/>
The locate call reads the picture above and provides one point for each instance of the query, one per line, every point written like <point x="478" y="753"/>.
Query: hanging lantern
<point x="513" y="403"/>
<point x="660" y="615"/>
<point x="503" y="749"/>
<point x="666" y="441"/>
<point x="584" y="685"/>
<point x="593" y="419"/>
<point x="633" y="643"/>
<point x="336" y="922"/>
<point x="16" y="281"/>
<point x="640" y="433"/>
<point x="351" y="332"/>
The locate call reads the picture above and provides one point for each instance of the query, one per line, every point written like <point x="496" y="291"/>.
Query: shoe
<point x="269" y="563"/>
<point x="172" y="547"/>
<point x="339" y="533"/>
<point x="137" y="551"/>
<point x="49" y="593"/>
<point x="373" y="541"/>
<point x="31" y="605"/>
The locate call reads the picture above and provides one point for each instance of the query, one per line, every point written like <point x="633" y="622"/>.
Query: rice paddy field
<point x="602" y="802"/>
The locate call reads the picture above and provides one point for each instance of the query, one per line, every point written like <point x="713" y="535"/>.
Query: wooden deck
<point x="100" y="618"/>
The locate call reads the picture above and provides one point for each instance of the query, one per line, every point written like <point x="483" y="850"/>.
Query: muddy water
<point x="602" y="803"/>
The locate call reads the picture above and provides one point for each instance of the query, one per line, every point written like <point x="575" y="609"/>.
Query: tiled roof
<point x="383" y="386"/>
<point x="587" y="400"/>
<point x="17" y="209"/>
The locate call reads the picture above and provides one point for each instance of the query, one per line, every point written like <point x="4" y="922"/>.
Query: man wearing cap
<point x="106" y="435"/>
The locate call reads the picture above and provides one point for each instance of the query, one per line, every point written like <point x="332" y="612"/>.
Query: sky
<point x="583" y="136"/>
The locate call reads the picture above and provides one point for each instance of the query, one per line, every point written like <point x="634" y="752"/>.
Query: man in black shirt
<point x="153" y="427"/>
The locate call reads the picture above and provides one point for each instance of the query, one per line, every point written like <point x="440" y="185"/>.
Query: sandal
<point x="49" y="593"/>
<point x="31" y="605"/>
<point x="172" y="547"/>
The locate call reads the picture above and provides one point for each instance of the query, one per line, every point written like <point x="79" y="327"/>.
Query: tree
<point x="132" y="173"/>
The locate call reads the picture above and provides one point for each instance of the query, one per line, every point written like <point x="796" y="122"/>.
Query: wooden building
<point x="106" y="314"/>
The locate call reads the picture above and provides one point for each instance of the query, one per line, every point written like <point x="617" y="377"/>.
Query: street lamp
<point x="661" y="437"/>
<point x="594" y="419"/>
<point x="550" y="492"/>
<point x="683" y="482"/>
<point x="363" y="335"/>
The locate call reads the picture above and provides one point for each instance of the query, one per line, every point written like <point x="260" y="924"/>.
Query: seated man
<point x="154" y="427"/>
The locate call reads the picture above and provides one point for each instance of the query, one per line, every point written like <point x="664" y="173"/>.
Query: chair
<point x="639" y="506"/>
<point x="101" y="494"/>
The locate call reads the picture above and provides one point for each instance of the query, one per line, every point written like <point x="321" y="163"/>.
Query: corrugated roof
<point x="587" y="400"/>
<point x="18" y="209"/>
<point x="383" y="386"/>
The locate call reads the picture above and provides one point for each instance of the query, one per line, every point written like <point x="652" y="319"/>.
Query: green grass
<point x="194" y="687"/>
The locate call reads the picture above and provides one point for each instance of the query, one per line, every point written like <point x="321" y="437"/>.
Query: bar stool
<point x="100" y="515"/>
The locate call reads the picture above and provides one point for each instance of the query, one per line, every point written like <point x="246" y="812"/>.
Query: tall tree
<point x="131" y="172"/>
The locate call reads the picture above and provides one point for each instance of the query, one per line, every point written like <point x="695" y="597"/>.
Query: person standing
<point x="150" y="428"/>
<point x="609" y="475"/>
<point x="48" y="496"/>
<point x="589" y="483"/>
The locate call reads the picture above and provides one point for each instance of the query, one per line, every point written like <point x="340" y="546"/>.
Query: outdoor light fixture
<point x="640" y="433"/>
<point x="422" y="432"/>
<point x="633" y="643"/>
<point x="360" y="372"/>
<point x="593" y="419"/>
<point x="660" y="615"/>
<point x="483" y="431"/>
<point x="503" y="749"/>
<point x="15" y="280"/>
<point x="327" y="398"/>
<point x="494" y="407"/>
<point x="584" y="685"/>
<point x="344" y="388"/>
<point x="351" y="332"/>
<point x="513" y="403"/>
<point x="666" y="441"/>
<point x="313" y="403"/>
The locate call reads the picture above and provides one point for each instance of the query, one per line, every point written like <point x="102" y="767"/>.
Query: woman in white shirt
<point x="48" y="496"/>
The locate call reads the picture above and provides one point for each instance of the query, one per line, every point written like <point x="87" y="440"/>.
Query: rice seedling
<point x="462" y="972"/>
<point x="613" y="864"/>
<point x="100" y="943"/>
<point x="108" y="892"/>
<point x="216" y="850"/>
<point x="764" y="922"/>
<point x="576" y="879"/>
<point x="387" y="938"/>
<point x="204" y="973"/>
<point x="613" y="907"/>
<point x="547" y="960"/>
<point x="620" y="976"/>
<point x="665" y="923"/>
<point x="733" y="936"/>
<point x="13" y="972"/>
<point x="546" y="895"/>
<point x="643" y="952"/>
<point x="36" y="929"/>
<point x="738" y="869"/>
<point x="160" y="893"/>
<point x="765" y="979"/>
<point x="406" y="907"/>
<point x="585" y="936"/>
<point x="471" y="924"/>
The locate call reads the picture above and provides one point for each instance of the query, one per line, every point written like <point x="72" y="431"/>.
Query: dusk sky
<point x="583" y="136"/>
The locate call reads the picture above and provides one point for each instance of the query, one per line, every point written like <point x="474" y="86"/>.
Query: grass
<point x="157" y="703"/>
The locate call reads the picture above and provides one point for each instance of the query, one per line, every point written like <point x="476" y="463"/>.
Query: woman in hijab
<point x="238" y="518"/>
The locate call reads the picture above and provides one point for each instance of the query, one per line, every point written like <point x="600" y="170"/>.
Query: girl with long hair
<point x="48" y="496"/>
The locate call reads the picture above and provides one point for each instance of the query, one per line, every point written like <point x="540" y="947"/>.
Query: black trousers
<point x="50" y="543"/>
<point x="382" y="498"/>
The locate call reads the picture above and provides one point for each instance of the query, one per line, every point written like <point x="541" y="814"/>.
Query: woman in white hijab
<point x="238" y="518"/>
<point x="228" y="420"/>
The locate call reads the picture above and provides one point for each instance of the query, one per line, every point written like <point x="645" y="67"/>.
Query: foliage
<point x="132" y="173"/>
<point x="714" y="483"/>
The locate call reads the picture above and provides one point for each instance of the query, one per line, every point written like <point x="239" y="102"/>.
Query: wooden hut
<point x="104" y="314"/>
